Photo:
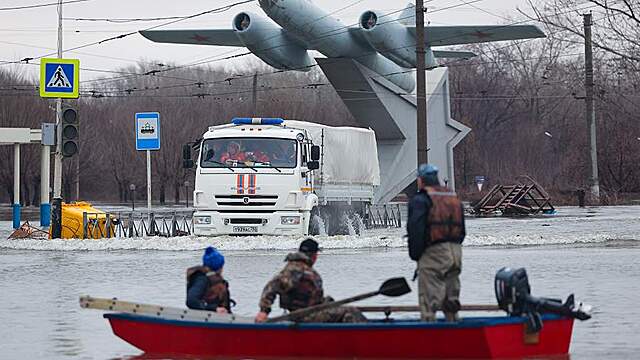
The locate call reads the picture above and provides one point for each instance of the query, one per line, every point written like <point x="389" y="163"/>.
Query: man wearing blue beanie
<point x="435" y="227"/>
<point x="206" y="288"/>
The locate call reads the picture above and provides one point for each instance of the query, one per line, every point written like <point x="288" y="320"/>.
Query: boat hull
<point x="482" y="337"/>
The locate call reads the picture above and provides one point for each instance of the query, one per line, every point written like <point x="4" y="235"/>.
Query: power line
<point x="321" y="36"/>
<point x="216" y="10"/>
<point x="200" y="83"/>
<point x="40" y="5"/>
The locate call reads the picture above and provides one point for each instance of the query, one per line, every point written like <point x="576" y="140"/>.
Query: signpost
<point x="148" y="138"/>
<point x="59" y="78"/>
<point x="480" y="180"/>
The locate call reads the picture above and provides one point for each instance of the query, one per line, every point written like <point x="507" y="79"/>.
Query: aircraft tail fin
<point x="408" y="16"/>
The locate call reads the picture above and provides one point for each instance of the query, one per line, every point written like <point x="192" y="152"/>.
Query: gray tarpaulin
<point x="350" y="154"/>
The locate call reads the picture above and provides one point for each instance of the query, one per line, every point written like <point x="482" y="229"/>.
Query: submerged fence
<point x="135" y="224"/>
<point x="179" y="223"/>
<point x="383" y="216"/>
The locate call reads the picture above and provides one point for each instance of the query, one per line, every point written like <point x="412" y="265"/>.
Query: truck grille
<point x="246" y="200"/>
<point x="246" y="221"/>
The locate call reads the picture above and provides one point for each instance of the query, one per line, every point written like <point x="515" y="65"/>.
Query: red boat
<point x="535" y="327"/>
<point x="477" y="337"/>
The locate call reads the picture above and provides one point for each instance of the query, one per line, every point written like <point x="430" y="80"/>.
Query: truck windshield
<point x="249" y="152"/>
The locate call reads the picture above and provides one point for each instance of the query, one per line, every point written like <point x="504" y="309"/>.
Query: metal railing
<point x="383" y="216"/>
<point x="136" y="224"/>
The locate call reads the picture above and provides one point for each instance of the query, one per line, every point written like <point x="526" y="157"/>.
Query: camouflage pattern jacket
<point x="298" y="285"/>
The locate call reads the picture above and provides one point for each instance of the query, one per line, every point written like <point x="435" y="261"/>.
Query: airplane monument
<point x="369" y="64"/>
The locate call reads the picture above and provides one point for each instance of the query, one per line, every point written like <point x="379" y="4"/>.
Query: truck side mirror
<point x="187" y="163"/>
<point x="313" y="165"/>
<point x="315" y="153"/>
<point x="186" y="152"/>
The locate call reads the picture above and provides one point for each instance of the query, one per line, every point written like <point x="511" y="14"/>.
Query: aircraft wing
<point x="471" y="34"/>
<point x="453" y="54"/>
<point x="221" y="37"/>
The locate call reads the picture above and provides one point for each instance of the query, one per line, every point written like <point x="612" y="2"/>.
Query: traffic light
<point x="70" y="135"/>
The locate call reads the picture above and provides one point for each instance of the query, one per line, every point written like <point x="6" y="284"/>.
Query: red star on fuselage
<point x="199" y="38"/>
<point x="481" y="35"/>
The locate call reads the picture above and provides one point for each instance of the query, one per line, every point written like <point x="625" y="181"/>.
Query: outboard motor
<point x="513" y="294"/>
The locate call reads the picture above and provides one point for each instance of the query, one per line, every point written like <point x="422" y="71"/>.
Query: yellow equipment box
<point x="73" y="217"/>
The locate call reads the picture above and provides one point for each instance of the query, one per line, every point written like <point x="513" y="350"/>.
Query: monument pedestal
<point x="378" y="104"/>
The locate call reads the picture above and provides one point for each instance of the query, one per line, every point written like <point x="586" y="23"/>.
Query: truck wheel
<point x="316" y="224"/>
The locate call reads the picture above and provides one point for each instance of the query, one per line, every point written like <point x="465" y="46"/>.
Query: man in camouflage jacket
<point x="300" y="286"/>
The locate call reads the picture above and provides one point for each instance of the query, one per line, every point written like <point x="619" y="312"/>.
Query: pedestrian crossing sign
<point x="59" y="78"/>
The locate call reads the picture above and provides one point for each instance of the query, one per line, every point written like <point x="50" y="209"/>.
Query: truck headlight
<point x="203" y="220"/>
<point x="290" y="220"/>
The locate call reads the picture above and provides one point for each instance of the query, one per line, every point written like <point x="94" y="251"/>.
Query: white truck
<point x="268" y="176"/>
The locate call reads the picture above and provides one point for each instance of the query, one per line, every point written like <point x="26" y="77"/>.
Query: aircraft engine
<point x="267" y="41"/>
<point x="390" y="38"/>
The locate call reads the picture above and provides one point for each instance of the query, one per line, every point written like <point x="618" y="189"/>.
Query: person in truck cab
<point x="254" y="154"/>
<point x="233" y="153"/>
<point x="206" y="288"/>
<point x="284" y="154"/>
<point x="213" y="151"/>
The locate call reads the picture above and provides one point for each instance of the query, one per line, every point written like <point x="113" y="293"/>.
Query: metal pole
<point x="16" y="186"/>
<point x="56" y="229"/>
<point x="77" y="175"/>
<point x="590" y="112"/>
<point x="149" y="180"/>
<point x="421" y="85"/>
<point x="45" y="172"/>
<point x="255" y="94"/>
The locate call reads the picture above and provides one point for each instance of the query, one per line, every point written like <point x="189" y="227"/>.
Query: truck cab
<point x="254" y="177"/>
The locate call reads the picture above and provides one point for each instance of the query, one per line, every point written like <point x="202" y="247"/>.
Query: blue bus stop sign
<point x="148" y="131"/>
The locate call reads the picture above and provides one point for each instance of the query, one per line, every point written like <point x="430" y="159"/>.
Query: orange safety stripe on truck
<point x="252" y="184"/>
<point x="240" y="183"/>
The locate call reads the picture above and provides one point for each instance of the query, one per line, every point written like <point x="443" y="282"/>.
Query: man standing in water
<point x="299" y="286"/>
<point x="435" y="226"/>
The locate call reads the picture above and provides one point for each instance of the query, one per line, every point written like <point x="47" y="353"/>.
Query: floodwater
<point x="590" y="252"/>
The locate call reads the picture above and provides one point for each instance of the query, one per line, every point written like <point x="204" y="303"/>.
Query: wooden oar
<point x="413" y="308"/>
<point x="391" y="287"/>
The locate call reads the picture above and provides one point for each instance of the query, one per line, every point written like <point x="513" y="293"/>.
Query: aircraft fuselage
<point x="313" y="26"/>
<point x="319" y="31"/>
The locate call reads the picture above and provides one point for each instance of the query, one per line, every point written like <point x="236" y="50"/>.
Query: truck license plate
<point x="245" y="229"/>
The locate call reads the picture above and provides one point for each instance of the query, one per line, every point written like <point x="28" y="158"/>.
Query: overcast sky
<point x="33" y="32"/>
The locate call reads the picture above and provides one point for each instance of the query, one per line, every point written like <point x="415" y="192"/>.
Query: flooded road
<point x="592" y="253"/>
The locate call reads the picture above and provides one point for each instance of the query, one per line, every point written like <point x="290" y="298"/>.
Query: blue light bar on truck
<point x="257" y="121"/>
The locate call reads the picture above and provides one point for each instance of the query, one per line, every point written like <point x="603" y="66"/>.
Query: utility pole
<point x="77" y="182"/>
<point x="255" y="94"/>
<point x="56" y="223"/>
<point x="421" y="82"/>
<point x="590" y="112"/>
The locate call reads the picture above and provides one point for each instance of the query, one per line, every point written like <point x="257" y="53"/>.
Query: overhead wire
<point x="321" y="36"/>
<point x="216" y="10"/>
<point x="200" y="84"/>
<point x="24" y="7"/>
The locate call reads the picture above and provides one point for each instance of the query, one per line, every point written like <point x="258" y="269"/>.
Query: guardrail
<point x="136" y="224"/>
<point x="383" y="216"/>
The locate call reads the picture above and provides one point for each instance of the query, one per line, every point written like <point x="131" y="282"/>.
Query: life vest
<point x="218" y="291"/>
<point x="445" y="219"/>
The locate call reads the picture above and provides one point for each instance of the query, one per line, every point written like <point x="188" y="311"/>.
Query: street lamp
<point x="132" y="188"/>
<point x="186" y="190"/>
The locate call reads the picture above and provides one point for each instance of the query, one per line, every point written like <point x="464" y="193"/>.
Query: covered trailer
<point x="349" y="170"/>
